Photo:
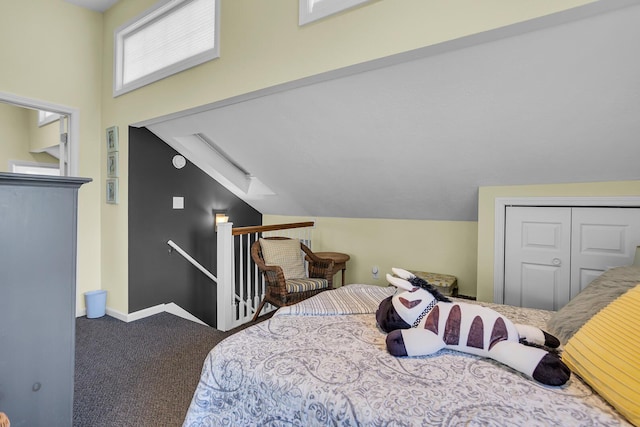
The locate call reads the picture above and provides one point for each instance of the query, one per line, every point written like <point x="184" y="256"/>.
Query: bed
<point x="323" y="362"/>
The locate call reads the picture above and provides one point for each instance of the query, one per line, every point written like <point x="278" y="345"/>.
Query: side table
<point x="339" y="259"/>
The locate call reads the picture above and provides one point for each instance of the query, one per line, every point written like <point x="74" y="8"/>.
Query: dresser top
<point x="41" y="180"/>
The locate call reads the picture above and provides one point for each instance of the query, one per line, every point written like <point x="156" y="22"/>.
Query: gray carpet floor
<point x="141" y="373"/>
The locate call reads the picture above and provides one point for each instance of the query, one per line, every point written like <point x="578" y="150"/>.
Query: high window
<point x="169" y="38"/>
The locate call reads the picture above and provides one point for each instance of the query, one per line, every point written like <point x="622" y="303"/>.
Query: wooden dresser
<point x="37" y="298"/>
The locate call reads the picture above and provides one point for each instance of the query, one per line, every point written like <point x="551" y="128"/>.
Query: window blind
<point x="176" y="36"/>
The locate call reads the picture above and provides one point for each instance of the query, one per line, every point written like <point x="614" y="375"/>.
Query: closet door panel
<point x="602" y="238"/>
<point x="537" y="257"/>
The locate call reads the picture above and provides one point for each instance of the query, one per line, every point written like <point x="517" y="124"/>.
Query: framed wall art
<point x="312" y="10"/>
<point x="112" y="165"/>
<point x="112" y="191"/>
<point x="112" y="139"/>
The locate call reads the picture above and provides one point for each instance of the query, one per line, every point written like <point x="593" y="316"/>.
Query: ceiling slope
<point x="414" y="137"/>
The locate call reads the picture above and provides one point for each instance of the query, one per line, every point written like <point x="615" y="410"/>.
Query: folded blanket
<point x="349" y="299"/>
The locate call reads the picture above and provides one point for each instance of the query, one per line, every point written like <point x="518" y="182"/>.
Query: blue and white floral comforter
<point x="323" y="362"/>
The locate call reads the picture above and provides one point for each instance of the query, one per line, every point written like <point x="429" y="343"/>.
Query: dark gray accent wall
<point x="155" y="275"/>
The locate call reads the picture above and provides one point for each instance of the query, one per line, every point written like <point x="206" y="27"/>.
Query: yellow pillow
<point x="605" y="353"/>
<point x="286" y="254"/>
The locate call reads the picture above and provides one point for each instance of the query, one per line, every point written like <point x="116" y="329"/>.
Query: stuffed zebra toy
<point x="421" y="321"/>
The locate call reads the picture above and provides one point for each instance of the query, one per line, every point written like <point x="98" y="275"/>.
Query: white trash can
<point x="96" y="302"/>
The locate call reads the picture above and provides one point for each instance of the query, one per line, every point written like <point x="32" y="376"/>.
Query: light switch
<point x="178" y="203"/>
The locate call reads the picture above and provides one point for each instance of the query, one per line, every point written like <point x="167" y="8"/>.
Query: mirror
<point x="30" y="138"/>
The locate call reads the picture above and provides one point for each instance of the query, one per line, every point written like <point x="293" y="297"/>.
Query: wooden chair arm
<point x="322" y="268"/>
<point x="320" y="264"/>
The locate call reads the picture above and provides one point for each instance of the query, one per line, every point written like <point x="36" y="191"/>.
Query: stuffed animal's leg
<point x="537" y="363"/>
<point x="413" y="342"/>
<point x="533" y="335"/>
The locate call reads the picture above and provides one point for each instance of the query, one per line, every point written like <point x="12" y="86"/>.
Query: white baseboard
<point x="171" y="308"/>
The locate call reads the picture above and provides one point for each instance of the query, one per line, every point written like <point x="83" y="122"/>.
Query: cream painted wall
<point x="262" y="46"/>
<point x="42" y="137"/>
<point x="52" y="52"/>
<point x="447" y="247"/>
<point x="14" y="135"/>
<point x="486" y="215"/>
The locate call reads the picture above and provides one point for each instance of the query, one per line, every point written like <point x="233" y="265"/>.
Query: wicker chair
<point x="281" y="292"/>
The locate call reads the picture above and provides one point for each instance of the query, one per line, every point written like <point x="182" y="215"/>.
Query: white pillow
<point x="286" y="254"/>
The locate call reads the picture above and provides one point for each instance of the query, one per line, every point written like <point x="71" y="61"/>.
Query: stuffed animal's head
<point x="388" y="318"/>
<point x="401" y="310"/>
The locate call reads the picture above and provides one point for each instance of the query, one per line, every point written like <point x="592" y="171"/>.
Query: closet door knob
<point x="556" y="261"/>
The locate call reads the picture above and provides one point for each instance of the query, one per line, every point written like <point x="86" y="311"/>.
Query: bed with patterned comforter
<point x="323" y="362"/>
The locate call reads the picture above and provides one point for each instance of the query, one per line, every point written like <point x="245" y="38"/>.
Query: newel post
<point x="226" y="286"/>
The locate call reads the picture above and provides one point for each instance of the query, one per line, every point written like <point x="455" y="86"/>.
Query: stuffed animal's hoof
<point x="395" y="343"/>
<point x="551" y="371"/>
<point x="551" y="341"/>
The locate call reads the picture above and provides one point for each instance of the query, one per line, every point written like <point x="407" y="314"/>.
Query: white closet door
<point x="602" y="238"/>
<point x="537" y="257"/>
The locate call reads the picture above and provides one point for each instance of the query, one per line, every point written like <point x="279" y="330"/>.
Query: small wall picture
<point x="112" y="191"/>
<point x="112" y="165"/>
<point x="112" y="139"/>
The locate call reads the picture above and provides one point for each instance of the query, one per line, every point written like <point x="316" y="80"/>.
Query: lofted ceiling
<point x="554" y="100"/>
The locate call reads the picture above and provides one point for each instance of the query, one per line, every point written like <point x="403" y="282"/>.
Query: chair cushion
<point x="605" y="353"/>
<point x="286" y="254"/>
<point x="302" y="285"/>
